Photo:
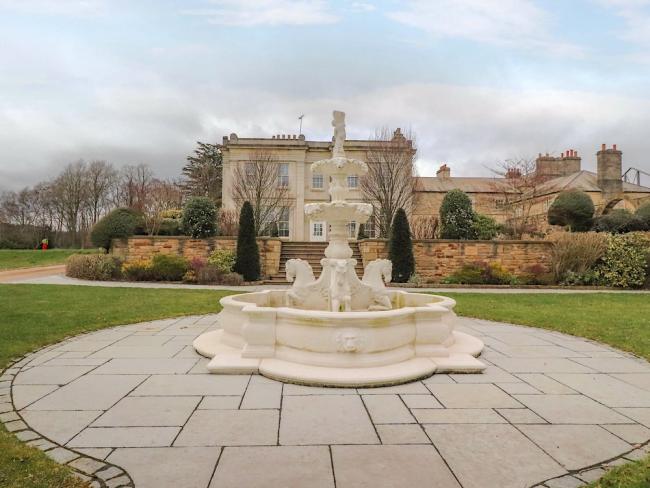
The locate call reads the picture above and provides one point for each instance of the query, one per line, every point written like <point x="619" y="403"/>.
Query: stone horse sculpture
<point x="376" y="274"/>
<point x="301" y="275"/>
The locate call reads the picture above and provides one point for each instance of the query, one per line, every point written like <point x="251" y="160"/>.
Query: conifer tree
<point x="400" y="248"/>
<point x="247" y="262"/>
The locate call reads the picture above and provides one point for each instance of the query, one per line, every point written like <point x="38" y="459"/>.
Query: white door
<point x="317" y="231"/>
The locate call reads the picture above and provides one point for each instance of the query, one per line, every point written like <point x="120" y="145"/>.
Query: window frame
<point x="283" y="179"/>
<point x="322" y="181"/>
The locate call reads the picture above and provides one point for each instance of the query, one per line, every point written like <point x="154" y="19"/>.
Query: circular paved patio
<point x="549" y="409"/>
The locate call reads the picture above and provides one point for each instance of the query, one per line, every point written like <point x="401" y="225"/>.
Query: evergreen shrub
<point x="400" y="248"/>
<point x="247" y="261"/>
<point x="199" y="218"/>
<point x="121" y="222"/>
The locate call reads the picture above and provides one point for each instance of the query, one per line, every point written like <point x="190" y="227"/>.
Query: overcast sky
<point x="478" y="81"/>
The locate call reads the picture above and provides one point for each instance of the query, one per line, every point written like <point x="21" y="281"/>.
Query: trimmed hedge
<point x="121" y="222"/>
<point x="618" y="221"/>
<point x="574" y="209"/>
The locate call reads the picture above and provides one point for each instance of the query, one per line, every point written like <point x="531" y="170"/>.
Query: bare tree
<point x="227" y="222"/>
<point x="101" y="176"/>
<point x="519" y="188"/>
<point x="70" y="194"/>
<point x="258" y="181"/>
<point x="424" y="227"/>
<point x="134" y="183"/>
<point x="161" y="196"/>
<point x="391" y="180"/>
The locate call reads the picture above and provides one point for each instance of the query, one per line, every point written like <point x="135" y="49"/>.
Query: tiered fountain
<point x="338" y="330"/>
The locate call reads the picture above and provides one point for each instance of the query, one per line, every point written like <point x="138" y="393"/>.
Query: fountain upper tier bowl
<point x="360" y="348"/>
<point x="339" y="211"/>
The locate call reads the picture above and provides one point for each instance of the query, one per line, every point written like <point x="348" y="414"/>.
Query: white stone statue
<point x="338" y="122"/>
<point x="298" y="272"/>
<point x="375" y="275"/>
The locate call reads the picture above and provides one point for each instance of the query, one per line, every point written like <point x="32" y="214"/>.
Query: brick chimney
<point x="610" y="170"/>
<point x="549" y="167"/>
<point x="443" y="172"/>
<point x="513" y="173"/>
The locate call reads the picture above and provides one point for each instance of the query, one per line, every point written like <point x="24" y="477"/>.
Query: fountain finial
<point x="338" y="122"/>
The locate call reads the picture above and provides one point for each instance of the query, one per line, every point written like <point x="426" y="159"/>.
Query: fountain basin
<point x="416" y="338"/>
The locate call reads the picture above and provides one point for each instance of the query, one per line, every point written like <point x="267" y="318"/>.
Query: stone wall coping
<point x="189" y="238"/>
<point x="470" y="241"/>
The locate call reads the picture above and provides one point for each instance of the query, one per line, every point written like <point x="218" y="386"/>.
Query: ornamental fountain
<point x="339" y="330"/>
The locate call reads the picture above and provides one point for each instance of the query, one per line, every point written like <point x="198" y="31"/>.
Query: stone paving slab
<point x="274" y="467"/>
<point x="575" y="446"/>
<point x="174" y="467"/>
<point x="550" y="410"/>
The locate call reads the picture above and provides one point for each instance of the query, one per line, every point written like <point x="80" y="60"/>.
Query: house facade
<point x="294" y="156"/>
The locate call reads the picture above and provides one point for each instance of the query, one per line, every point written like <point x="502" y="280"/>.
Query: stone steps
<point x="312" y="252"/>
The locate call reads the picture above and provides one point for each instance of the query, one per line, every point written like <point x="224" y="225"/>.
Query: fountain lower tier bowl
<point x="414" y="340"/>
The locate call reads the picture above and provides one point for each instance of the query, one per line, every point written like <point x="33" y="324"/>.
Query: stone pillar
<point x="298" y="232"/>
<point x="610" y="170"/>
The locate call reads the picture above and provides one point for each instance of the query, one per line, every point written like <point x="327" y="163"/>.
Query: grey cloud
<point x="471" y="128"/>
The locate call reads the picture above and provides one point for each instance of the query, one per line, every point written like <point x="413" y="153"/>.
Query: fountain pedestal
<point x="339" y="330"/>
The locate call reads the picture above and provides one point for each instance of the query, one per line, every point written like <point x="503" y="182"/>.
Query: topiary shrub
<point x="484" y="228"/>
<point x="573" y="209"/>
<point x="400" y="248"/>
<point x="457" y="216"/>
<point x="618" y="221"/>
<point x="102" y="267"/>
<point x="121" y="222"/>
<point x="481" y="273"/>
<point x="199" y="218"/>
<point x="247" y="262"/>
<point x="576" y="253"/>
<point x="624" y="263"/>
<point x="167" y="267"/>
<point x="223" y="260"/>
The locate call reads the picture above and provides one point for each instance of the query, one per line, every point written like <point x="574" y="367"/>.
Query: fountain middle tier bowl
<point x="258" y="334"/>
<point x="339" y="211"/>
<point x="340" y="165"/>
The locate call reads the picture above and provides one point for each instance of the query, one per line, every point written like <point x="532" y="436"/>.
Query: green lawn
<point x="619" y="319"/>
<point x="35" y="315"/>
<point x="29" y="258"/>
<point x="32" y="316"/>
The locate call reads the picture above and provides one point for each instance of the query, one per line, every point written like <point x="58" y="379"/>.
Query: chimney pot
<point x="614" y="147"/>
<point x="603" y="147"/>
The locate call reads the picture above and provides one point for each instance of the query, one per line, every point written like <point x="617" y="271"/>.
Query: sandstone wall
<point x="436" y="259"/>
<point x="143" y="248"/>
